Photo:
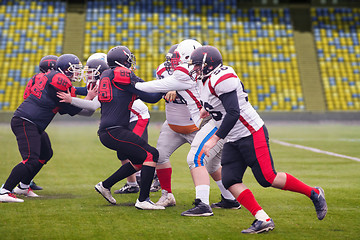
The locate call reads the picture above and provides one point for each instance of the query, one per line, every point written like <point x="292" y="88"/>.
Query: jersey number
<point x="38" y="87"/>
<point x="105" y="91"/>
<point x="216" y="115"/>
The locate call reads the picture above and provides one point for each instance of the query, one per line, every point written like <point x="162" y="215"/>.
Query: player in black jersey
<point x="116" y="95"/>
<point x="31" y="119"/>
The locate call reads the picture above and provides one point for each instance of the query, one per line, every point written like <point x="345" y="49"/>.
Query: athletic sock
<point x="147" y="175"/>
<point x="202" y="193"/>
<point x="132" y="184"/>
<point x="262" y="216"/>
<point x="295" y="185"/>
<point x="24" y="186"/>
<point x="247" y="199"/>
<point x="225" y="193"/>
<point x="123" y="172"/>
<point x="164" y="176"/>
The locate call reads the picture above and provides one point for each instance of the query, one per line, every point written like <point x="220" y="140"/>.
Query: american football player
<point x="226" y="100"/>
<point x="30" y="121"/>
<point x="116" y="96"/>
<point x="200" y="165"/>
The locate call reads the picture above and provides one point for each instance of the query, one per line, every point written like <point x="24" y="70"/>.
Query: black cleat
<point x="127" y="189"/>
<point x="226" y="203"/>
<point x="33" y="186"/>
<point x="319" y="203"/>
<point x="259" y="227"/>
<point x="200" y="210"/>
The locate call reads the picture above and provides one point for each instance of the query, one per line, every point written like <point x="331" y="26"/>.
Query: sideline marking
<point x="314" y="150"/>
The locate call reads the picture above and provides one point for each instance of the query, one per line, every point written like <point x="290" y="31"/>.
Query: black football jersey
<point x="41" y="105"/>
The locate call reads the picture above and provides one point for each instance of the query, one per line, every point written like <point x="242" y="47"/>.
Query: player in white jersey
<point x="200" y="165"/>
<point x="225" y="99"/>
<point x="139" y="115"/>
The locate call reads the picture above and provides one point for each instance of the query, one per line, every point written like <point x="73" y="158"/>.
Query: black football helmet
<point x="93" y="69"/>
<point x="70" y="66"/>
<point x="121" y="56"/>
<point x="167" y="63"/>
<point x="205" y="60"/>
<point x="48" y="62"/>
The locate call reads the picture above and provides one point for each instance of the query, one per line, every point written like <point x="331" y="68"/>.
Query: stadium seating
<point x="29" y="30"/>
<point x="336" y="32"/>
<point x="257" y="42"/>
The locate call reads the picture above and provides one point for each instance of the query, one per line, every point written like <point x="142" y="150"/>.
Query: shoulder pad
<point x="60" y="82"/>
<point x="122" y="75"/>
<point x="182" y="69"/>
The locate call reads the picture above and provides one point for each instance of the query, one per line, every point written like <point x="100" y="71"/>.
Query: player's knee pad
<point x="192" y="163"/>
<point x="228" y="181"/>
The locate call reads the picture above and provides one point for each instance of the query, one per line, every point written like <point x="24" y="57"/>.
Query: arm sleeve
<point x="231" y="104"/>
<point x="169" y="83"/>
<point x="81" y="91"/>
<point x="91" y="105"/>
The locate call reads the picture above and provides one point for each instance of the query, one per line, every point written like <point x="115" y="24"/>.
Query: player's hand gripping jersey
<point x="42" y="104"/>
<point x="223" y="81"/>
<point x="181" y="82"/>
<point x="177" y="113"/>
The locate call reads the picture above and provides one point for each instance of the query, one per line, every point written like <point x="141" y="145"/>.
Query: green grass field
<point x="70" y="208"/>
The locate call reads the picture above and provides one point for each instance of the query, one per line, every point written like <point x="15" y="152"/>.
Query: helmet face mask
<point x="93" y="70"/>
<point x="206" y="60"/>
<point x="70" y="66"/>
<point x="168" y="64"/>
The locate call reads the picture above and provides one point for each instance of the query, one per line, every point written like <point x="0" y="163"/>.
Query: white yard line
<point x="314" y="150"/>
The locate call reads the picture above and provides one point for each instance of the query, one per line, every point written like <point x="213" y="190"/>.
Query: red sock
<point x="295" y="185"/>
<point x="164" y="176"/>
<point x="247" y="199"/>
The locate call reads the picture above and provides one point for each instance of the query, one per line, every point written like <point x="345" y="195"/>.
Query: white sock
<point x="132" y="184"/>
<point x="226" y="194"/>
<point x="24" y="186"/>
<point x="261" y="215"/>
<point x="202" y="193"/>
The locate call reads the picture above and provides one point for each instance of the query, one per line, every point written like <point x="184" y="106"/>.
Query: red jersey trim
<point x="198" y="104"/>
<point x="182" y="69"/>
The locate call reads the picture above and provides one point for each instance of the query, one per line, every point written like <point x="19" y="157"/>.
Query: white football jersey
<point x="139" y="111"/>
<point x="181" y="82"/>
<point x="225" y="80"/>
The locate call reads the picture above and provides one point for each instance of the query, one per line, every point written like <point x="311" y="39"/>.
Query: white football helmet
<point x="100" y="56"/>
<point x="183" y="51"/>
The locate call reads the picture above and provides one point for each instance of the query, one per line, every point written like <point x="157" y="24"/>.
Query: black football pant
<point x="35" y="150"/>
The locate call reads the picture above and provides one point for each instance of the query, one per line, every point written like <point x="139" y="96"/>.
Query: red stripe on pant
<point x="262" y="152"/>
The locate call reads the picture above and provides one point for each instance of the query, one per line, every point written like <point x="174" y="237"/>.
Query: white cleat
<point x="106" y="193"/>
<point x="166" y="200"/>
<point x="147" y="205"/>
<point x="26" y="192"/>
<point x="9" y="197"/>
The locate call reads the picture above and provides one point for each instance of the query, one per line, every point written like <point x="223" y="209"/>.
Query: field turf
<point x="70" y="208"/>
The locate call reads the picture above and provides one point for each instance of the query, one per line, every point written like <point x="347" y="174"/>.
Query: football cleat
<point x="319" y="203"/>
<point x="155" y="186"/>
<point x="226" y="203"/>
<point x="147" y="205"/>
<point x="127" y="189"/>
<point x="260" y="226"/>
<point x="28" y="192"/>
<point x="200" y="210"/>
<point x="166" y="200"/>
<point x="106" y="193"/>
<point x="9" y="197"/>
<point x="35" y="187"/>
